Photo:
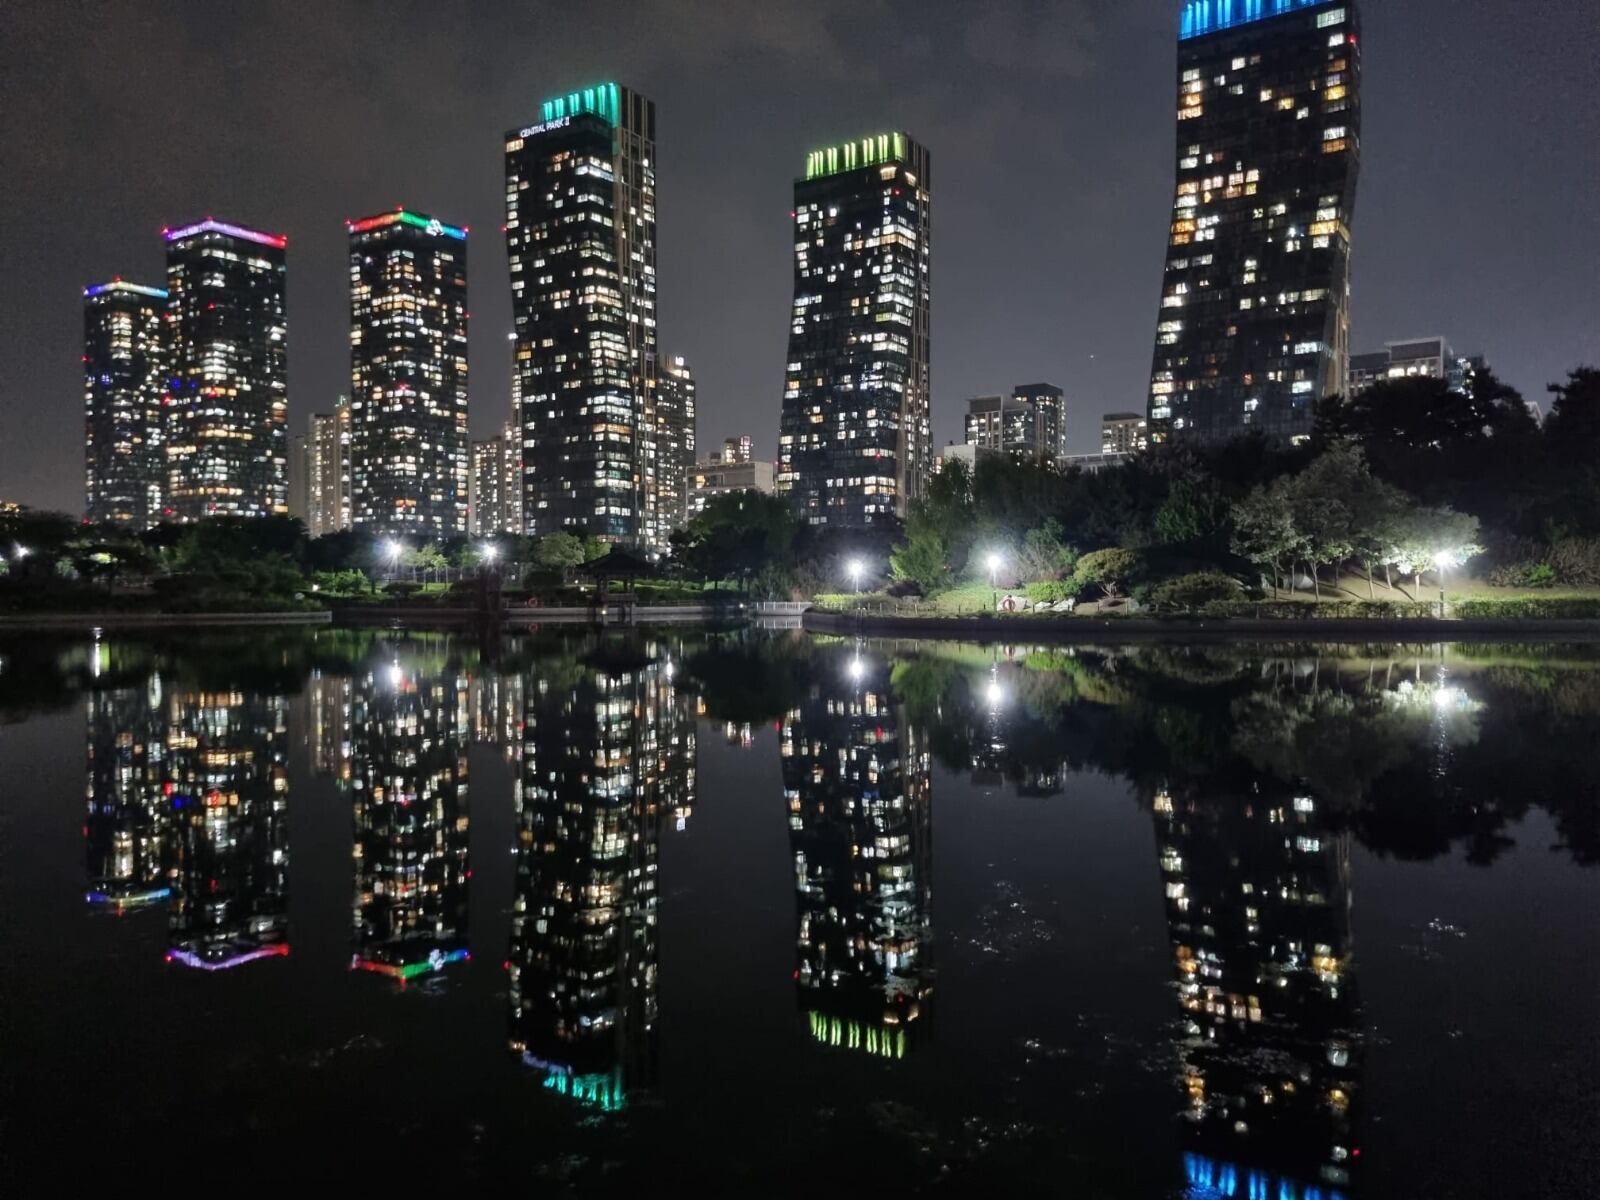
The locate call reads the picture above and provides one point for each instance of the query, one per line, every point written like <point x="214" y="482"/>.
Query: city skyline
<point x="1101" y="299"/>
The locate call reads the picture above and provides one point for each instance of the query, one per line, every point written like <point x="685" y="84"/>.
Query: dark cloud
<point x="1050" y="125"/>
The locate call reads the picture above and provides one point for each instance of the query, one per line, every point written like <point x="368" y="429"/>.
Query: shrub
<point x="1576" y="560"/>
<point x="1540" y="575"/>
<point x="902" y="589"/>
<point x="1051" y="590"/>
<point x="1108" y="569"/>
<point x="1529" y="608"/>
<point x="1199" y="588"/>
<point x="1327" y="610"/>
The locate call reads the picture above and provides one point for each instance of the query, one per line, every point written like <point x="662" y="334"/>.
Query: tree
<point x="1192" y="513"/>
<point x="1422" y="536"/>
<point x="939" y="530"/>
<point x="1108" y="569"/>
<point x="1264" y="531"/>
<point x="559" y="552"/>
<point x="1045" y="554"/>
<point x="739" y="534"/>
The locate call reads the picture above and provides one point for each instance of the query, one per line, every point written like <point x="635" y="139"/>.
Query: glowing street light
<point x="1442" y="560"/>
<point x="855" y="567"/>
<point x="993" y="561"/>
<point x="488" y="552"/>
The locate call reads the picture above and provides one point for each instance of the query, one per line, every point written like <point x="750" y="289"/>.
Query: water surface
<point x="638" y="913"/>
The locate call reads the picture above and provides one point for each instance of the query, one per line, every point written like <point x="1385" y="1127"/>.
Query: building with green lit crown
<point x="581" y="240"/>
<point x="409" y="449"/>
<point x="855" y="443"/>
<point x="1254" y="322"/>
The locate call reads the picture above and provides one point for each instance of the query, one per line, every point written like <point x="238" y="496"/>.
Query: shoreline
<point x="45" y="622"/>
<point x="987" y="628"/>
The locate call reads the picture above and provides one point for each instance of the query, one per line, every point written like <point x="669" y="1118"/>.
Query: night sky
<point x="1050" y="126"/>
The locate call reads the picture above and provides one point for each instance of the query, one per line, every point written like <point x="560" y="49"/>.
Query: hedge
<point x="1529" y="608"/>
<point x="1326" y="610"/>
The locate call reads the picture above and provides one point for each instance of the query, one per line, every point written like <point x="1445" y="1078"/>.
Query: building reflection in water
<point x="1258" y="911"/>
<point x="856" y="780"/>
<point x="608" y="748"/>
<point x="228" y="788"/>
<point x="127" y="828"/>
<point x="410" y="725"/>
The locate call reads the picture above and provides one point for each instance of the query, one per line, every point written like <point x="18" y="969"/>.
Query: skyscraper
<point x="124" y="376"/>
<point x="328" y="470"/>
<point x="488" y="497"/>
<point x="227" y="401"/>
<point x="673" y="425"/>
<point x="1255" y="318"/>
<point x="855" y="443"/>
<point x="581" y="238"/>
<point x="408" y="375"/>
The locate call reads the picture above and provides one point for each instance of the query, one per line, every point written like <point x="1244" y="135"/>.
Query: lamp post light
<point x="392" y="550"/>
<point x="1443" y="560"/>
<point x="993" y="562"/>
<point x="854" y="568"/>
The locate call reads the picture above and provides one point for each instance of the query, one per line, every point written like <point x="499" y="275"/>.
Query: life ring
<point x="1009" y="604"/>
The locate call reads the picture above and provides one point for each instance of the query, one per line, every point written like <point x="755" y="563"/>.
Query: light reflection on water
<point x="1195" y="986"/>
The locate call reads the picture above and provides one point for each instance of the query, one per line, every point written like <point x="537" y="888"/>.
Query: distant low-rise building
<point x="712" y="478"/>
<point x="1028" y="424"/>
<point x="968" y="454"/>
<point x="1123" y="433"/>
<point x="1419" y="358"/>
<point x="1093" y="463"/>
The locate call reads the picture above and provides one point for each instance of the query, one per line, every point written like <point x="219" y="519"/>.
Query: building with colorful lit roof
<point x="581" y="240"/>
<point x="124" y="378"/>
<point x="854" y="444"/>
<point x="1253" y="327"/>
<point x="409" y="449"/>
<point x="227" y="403"/>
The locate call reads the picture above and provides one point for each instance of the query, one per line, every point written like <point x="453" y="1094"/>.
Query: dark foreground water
<point x="761" y="914"/>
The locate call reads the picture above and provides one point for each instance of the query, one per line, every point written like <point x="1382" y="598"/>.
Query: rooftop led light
<point x="437" y="960"/>
<point x="122" y="285"/>
<point x="602" y="100"/>
<point x="400" y="216"/>
<point x="238" y="231"/>
<point x="1201" y="17"/>
<point x="190" y="959"/>
<point x="128" y="899"/>
<point x="868" y="151"/>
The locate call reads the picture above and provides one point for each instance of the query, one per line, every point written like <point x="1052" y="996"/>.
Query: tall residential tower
<point x="227" y="406"/>
<point x="408" y="375"/>
<point x="581" y="238"/>
<point x="1254" y="323"/>
<point x="124" y="375"/>
<point x="854" y="444"/>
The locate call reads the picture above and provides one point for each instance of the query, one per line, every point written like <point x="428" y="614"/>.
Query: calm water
<point x="762" y="912"/>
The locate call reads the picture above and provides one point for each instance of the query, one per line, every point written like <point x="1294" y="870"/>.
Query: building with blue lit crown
<point x="1254" y="323"/>
<point x="854" y="444"/>
<point x="581" y="241"/>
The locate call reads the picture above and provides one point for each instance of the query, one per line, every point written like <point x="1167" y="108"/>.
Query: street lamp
<point x="993" y="562"/>
<point x="855" y="567"/>
<point x="1442" y="560"/>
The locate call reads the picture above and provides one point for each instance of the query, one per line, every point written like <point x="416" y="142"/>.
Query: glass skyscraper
<point x="227" y="405"/>
<point x="409" y="453"/>
<point x="1254" y="323"/>
<point x="581" y="239"/>
<point x="124" y="376"/>
<point x="855" y="444"/>
<point x="673" y="397"/>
